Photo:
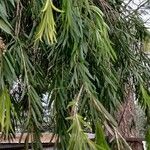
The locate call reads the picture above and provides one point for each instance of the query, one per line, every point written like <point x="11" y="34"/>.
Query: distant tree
<point x="84" y="54"/>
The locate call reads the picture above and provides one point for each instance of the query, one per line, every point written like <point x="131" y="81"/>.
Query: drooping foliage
<point x="80" y="53"/>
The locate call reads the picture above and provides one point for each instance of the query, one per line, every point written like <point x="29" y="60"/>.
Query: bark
<point x="126" y="119"/>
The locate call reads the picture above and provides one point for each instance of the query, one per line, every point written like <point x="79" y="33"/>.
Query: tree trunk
<point x="126" y="119"/>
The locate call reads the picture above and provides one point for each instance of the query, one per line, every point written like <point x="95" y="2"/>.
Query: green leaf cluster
<point x="83" y="53"/>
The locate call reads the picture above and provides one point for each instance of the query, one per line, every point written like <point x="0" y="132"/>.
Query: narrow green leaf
<point x="5" y="27"/>
<point x="100" y="137"/>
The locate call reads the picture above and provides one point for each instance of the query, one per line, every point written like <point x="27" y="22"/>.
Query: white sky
<point x="145" y="13"/>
